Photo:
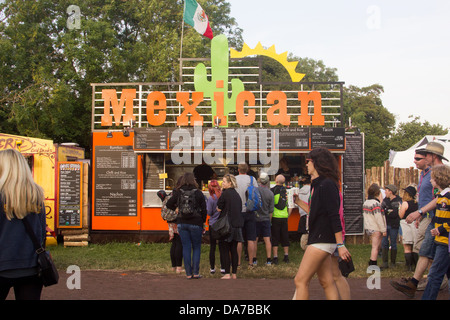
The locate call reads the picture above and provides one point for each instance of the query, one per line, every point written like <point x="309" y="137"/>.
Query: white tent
<point x="405" y="159"/>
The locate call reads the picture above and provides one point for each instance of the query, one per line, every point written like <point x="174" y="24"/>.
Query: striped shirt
<point x="442" y="216"/>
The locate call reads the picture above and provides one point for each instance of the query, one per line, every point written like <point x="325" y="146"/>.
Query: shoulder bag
<point x="46" y="268"/>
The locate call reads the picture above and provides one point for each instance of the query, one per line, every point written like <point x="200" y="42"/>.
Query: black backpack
<point x="282" y="200"/>
<point x="186" y="203"/>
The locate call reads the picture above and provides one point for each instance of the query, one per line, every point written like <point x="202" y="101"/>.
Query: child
<point x="440" y="179"/>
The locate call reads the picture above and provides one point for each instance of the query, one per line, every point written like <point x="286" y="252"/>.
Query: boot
<point x="409" y="261"/>
<point x="393" y="257"/>
<point x="385" y="258"/>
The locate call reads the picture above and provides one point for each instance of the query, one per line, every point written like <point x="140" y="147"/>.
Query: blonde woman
<point x="20" y="198"/>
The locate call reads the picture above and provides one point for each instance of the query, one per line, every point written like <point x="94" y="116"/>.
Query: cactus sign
<point x="224" y="93"/>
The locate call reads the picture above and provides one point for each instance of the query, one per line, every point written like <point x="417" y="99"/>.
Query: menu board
<point x="293" y="138"/>
<point x="115" y="181"/>
<point x="70" y="176"/>
<point x="154" y="166"/>
<point x="330" y="138"/>
<point x="154" y="138"/>
<point x="353" y="188"/>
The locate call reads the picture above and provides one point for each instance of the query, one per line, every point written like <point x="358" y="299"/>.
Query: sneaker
<point x="269" y="262"/>
<point x="275" y="260"/>
<point x="212" y="271"/>
<point x="222" y="271"/>
<point x="286" y="259"/>
<point x="255" y="262"/>
<point x="407" y="288"/>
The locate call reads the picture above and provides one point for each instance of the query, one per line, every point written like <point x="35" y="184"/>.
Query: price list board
<point x="115" y="181"/>
<point x="154" y="167"/>
<point x="151" y="139"/>
<point x="353" y="188"/>
<point x="70" y="177"/>
<point x="330" y="138"/>
<point x="293" y="139"/>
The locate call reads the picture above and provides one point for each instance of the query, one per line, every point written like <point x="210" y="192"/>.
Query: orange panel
<point x="114" y="222"/>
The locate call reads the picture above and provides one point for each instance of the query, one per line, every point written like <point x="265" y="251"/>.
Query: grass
<point x="155" y="258"/>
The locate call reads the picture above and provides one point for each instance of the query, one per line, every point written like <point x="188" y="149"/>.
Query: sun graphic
<point x="271" y="53"/>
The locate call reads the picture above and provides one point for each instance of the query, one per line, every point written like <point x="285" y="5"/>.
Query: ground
<point x="126" y="285"/>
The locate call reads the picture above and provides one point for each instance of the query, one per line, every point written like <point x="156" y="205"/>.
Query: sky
<point x="402" y="45"/>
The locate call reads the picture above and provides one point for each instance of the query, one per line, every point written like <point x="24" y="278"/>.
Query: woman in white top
<point x="374" y="220"/>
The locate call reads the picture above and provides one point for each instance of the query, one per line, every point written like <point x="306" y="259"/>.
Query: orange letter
<point x="282" y="117"/>
<point x="242" y="119"/>
<point x="317" y="119"/>
<point x="183" y="98"/>
<point x="152" y="118"/>
<point x="110" y="95"/>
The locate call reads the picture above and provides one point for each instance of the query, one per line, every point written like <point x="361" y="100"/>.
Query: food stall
<point x="146" y="135"/>
<point x="43" y="156"/>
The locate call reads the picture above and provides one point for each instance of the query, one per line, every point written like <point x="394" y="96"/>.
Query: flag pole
<point x="181" y="44"/>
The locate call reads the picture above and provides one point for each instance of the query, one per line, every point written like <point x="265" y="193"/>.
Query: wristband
<point x="340" y="245"/>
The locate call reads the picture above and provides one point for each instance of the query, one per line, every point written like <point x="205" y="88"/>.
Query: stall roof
<point x="405" y="159"/>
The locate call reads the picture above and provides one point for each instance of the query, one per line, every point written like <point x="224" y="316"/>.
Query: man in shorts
<point x="249" y="229"/>
<point x="424" y="158"/>
<point x="264" y="216"/>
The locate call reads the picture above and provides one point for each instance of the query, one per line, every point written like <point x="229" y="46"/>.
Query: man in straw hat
<point x="432" y="155"/>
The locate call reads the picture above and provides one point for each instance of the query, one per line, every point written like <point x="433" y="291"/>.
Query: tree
<point x="409" y="133"/>
<point x="47" y="63"/>
<point x="366" y="111"/>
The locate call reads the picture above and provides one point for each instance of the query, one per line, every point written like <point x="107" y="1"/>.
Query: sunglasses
<point x="418" y="159"/>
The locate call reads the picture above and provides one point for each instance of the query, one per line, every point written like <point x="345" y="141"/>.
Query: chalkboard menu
<point x="330" y="138"/>
<point x="293" y="138"/>
<point x="353" y="167"/>
<point x="70" y="176"/>
<point x="154" y="166"/>
<point x="115" y="181"/>
<point x="154" y="138"/>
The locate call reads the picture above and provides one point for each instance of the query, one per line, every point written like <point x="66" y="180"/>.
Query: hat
<point x="434" y="148"/>
<point x="392" y="188"/>
<point x="264" y="178"/>
<point x="411" y="190"/>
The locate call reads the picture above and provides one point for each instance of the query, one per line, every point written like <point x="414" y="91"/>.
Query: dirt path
<point x="115" y="285"/>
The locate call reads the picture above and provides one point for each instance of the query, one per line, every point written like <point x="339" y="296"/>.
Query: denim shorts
<point x="428" y="247"/>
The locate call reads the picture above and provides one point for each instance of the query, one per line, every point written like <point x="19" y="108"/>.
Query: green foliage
<point x="366" y="111"/>
<point x="409" y="133"/>
<point x="47" y="67"/>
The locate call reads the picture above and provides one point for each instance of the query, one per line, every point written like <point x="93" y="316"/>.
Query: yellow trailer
<point x="43" y="156"/>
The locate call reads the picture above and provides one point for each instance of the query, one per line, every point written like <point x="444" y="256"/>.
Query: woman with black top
<point x="190" y="227"/>
<point x="325" y="229"/>
<point x="409" y="230"/>
<point x="230" y="204"/>
<point x="20" y="198"/>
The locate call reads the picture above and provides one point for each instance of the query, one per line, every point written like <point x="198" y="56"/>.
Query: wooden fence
<point x="383" y="176"/>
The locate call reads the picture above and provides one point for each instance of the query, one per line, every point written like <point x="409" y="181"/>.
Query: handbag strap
<point x="37" y="246"/>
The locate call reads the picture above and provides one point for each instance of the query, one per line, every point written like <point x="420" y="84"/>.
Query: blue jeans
<point x="438" y="270"/>
<point x="391" y="234"/>
<point x="191" y="238"/>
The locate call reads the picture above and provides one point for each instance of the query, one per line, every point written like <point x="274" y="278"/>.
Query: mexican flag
<point x="196" y="17"/>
